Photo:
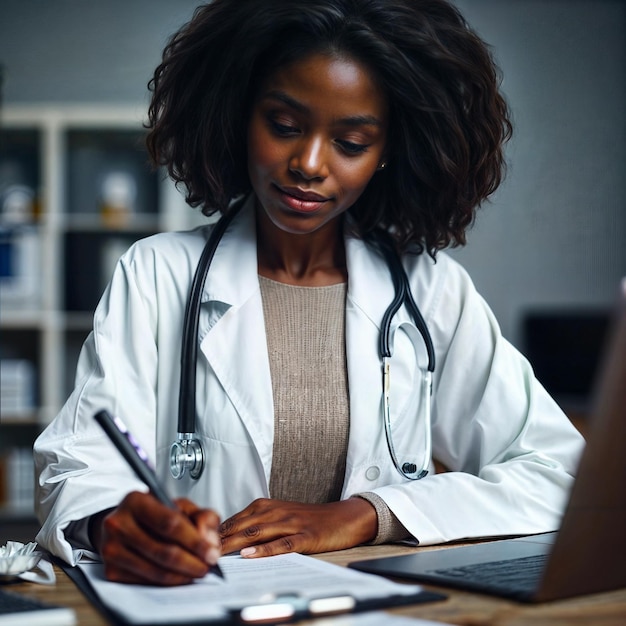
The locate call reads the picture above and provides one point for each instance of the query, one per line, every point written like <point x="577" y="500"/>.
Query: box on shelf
<point x="20" y="176"/>
<point x="90" y="259"/>
<point x="109" y="174"/>
<point x="18" y="476"/>
<point x="17" y="388"/>
<point x="19" y="267"/>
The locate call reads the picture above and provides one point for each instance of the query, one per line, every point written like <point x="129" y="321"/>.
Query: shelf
<point x="89" y="222"/>
<point x="37" y="320"/>
<point x="84" y="192"/>
<point x="10" y="513"/>
<point x="76" y="190"/>
<point x="28" y="420"/>
<point x="15" y="319"/>
<point x="47" y="116"/>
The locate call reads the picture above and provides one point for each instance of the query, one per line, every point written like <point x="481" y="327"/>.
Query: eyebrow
<point x="352" y="120"/>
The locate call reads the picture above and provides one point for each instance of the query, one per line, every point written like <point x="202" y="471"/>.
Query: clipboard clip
<point x="288" y="607"/>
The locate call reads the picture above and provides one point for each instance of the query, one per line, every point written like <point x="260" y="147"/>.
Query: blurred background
<point x="547" y="253"/>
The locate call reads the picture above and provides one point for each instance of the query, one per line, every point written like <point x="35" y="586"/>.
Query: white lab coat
<point x="511" y="450"/>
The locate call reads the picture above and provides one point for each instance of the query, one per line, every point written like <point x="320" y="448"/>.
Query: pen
<point x="138" y="460"/>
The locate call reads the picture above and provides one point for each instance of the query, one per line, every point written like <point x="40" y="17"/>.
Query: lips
<point x="301" y="199"/>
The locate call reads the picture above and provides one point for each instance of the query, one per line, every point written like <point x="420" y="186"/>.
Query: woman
<point x="335" y="120"/>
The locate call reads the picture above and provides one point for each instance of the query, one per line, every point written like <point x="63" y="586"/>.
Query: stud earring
<point x="382" y="166"/>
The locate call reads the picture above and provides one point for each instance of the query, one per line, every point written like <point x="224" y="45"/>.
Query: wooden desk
<point x="462" y="608"/>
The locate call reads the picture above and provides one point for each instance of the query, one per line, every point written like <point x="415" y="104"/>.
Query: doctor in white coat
<point x="323" y="149"/>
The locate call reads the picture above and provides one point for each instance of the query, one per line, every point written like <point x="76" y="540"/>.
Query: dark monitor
<point x="564" y="348"/>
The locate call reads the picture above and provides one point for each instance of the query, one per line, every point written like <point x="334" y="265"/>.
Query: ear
<point x="382" y="164"/>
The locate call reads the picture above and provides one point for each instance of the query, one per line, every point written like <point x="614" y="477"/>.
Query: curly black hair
<point x="448" y="121"/>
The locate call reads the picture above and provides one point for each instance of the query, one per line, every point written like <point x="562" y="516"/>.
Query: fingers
<point x="268" y="527"/>
<point x="206" y="523"/>
<point x="146" y="563"/>
<point x="145" y="541"/>
<point x="283" y="545"/>
<point x="256" y="523"/>
<point x="258" y="510"/>
<point x="175" y="526"/>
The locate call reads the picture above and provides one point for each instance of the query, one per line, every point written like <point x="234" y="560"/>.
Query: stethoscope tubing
<point x="189" y="349"/>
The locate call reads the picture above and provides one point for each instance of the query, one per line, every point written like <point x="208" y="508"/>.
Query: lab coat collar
<point x="370" y="287"/>
<point x="233" y="277"/>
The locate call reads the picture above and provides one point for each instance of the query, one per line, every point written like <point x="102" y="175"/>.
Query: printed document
<point x="247" y="582"/>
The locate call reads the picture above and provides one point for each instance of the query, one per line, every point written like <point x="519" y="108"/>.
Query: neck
<point x="313" y="260"/>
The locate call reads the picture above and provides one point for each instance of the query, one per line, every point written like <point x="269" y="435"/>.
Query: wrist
<point x="94" y="528"/>
<point x="364" y="516"/>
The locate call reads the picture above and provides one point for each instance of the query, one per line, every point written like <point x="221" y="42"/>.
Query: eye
<point x="350" y="147"/>
<point x="283" y="128"/>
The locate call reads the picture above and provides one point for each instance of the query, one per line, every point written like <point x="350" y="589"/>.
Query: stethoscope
<point x="186" y="453"/>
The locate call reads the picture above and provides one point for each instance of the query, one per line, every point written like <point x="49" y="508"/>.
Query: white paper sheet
<point x="247" y="581"/>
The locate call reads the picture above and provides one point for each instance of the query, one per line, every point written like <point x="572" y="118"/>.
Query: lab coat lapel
<point x="233" y="337"/>
<point x="370" y="290"/>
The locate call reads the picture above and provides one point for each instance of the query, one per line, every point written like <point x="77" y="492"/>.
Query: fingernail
<point x="212" y="537"/>
<point x="212" y="555"/>
<point x="248" y="551"/>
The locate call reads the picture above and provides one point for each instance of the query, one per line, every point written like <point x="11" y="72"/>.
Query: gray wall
<point x="554" y="234"/>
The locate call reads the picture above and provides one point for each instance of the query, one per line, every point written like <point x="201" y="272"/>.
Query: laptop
<point x="19" y="610"/>
<point x="588" y="553"/>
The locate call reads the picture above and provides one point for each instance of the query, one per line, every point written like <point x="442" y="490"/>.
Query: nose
<point x="309" y="159"/>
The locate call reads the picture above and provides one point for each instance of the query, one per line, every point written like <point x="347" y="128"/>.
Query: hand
<point x="267" y="527"/>
<point x="143" y="541"/>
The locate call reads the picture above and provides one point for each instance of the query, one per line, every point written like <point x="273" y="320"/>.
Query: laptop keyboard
<point x="14" y="603"/>
<point x="521" y="574"/>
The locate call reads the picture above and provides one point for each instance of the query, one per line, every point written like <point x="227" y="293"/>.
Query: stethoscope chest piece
<point x="186" y="456"/>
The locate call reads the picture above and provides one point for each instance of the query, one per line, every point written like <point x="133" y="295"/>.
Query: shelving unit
<point x="75" y="191"/>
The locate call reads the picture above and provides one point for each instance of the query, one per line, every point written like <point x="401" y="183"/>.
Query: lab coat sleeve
<point x="511" y="451"/>
<point x="79" y="472"/>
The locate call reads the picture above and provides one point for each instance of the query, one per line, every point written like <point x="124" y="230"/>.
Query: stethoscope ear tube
<point x="186" y="452"/>
<point x="403" y="295"/>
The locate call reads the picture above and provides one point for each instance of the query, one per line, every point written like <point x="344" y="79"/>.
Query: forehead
<point x="333" y="83"/>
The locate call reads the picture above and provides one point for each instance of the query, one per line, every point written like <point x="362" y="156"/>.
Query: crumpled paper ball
<point x="16" y="558"/>
<point x="19" y="561"/>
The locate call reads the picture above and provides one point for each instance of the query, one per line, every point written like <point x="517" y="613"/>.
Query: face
<point x="316" y="137"/>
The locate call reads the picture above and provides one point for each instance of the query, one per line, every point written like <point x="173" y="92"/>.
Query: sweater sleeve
<point x="390" y="529"/>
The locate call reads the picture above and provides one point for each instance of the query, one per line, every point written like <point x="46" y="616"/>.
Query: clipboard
<point x="289" y="609"/>
<point x="81" y="582"/>
<point x="282" y="607"/>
